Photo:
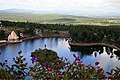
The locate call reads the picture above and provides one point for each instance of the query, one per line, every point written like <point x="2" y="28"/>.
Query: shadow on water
<point x="85" y="51"/>
<point x="117" y="53"/>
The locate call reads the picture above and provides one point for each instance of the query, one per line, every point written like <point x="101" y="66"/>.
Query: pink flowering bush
<point x="63" y="69"/>
<point x="114" y="74"/>
<point x="16" y="70"/>
<point x="55" y="69"/>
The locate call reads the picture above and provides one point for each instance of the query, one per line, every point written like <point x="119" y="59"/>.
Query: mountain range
<point x="77" y="13"/>
<point x="56" y="17"/>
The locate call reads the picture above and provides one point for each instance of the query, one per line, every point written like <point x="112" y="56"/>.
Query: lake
<point x="108" y="60"/>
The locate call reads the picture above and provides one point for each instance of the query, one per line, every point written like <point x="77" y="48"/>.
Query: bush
<point x="45" y="55"/>
<point x="16" y="70"/>
<point x="58" y="69"/>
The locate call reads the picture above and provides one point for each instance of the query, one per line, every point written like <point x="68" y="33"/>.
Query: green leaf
<point x="15" y="66"/>
<point x="109" y="73"/>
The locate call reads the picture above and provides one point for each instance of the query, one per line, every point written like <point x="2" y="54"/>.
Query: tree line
<point x="79" y="33"/>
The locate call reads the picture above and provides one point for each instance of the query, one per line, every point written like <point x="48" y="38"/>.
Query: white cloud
<point x="72" y="7"/>
<point x="114" y="3"/>
<point x="59" y="4"/>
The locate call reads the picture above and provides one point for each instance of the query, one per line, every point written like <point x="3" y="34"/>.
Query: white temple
<point x="13" y="38"/>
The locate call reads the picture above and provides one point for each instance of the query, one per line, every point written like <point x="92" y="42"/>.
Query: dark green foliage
<point x="29" y="31"/>
<point x="2" y="34"/>
<point x="79" y="33"/>
<point x="45" y="55"/>
<point x="106" y="34"/>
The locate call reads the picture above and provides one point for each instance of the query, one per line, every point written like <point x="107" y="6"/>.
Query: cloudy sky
<point x="69" y="6"/>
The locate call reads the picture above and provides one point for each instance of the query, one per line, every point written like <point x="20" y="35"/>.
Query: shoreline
<point x="3" y="44"/>
<point x="48" y="36"/>
<point x="93" y="44"/>
<point x="69" y="42"/>
<point x="35" y="37"/>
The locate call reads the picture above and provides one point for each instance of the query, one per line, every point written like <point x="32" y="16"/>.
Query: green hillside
<point x="57" y="19"/>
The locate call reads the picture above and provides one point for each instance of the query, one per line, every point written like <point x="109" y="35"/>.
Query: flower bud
<point x="101" y="69"/>
<point x="74" y="55"/>
<point x="110" y="77"/>
<point x="5" y="60"/>
<point x="25" y="64"/>
<point x="24" y="59"/>
<point x="20" y="52"/>
<point x="97" y="63"/>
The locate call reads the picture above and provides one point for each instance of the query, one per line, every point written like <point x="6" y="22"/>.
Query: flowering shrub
<point x="59" y="68"/>
<point x="16" y="70"/>
<point x="114" y="74"/>
<point x="75" y="70"/>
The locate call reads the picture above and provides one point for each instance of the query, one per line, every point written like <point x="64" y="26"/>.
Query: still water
<point x="108" y="60"/>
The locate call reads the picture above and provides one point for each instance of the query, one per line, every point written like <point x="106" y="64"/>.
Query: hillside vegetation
<point x="57" y="19"/>
<point x="78" y="33"/>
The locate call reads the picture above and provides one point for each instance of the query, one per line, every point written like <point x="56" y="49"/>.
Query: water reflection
<point x="57" y="44"/>
<point x="95" y="51"/>
<point x="108" y="57"/>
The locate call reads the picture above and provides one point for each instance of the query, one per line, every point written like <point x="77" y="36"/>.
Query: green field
<point x="58" y="19"/>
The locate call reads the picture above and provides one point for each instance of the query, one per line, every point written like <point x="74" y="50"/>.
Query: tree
<point x="2" y="34"/>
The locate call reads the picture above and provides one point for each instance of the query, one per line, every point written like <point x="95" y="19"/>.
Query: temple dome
<point x="13" y="36"/>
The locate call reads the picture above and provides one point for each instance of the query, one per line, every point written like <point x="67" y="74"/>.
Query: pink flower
<point x="77" y="59"/>
<point x="97" y="63"/>
<point x="82" y="65"/>
<point x="20" y="52"/>
<point x="76" y="77"/>
<point x="49" y="69"/>
<point x="101" y="69"/>
<point x="29" y="73"/>
<point x="93" y="67"/>
<point x="89" y="64"/>
<point x="110" y="77"/>
<point x="25" y="64"/>
<point x="30" y="67"/>
<point x="102" y="72"/>
<point x="79" y="63"/>
<point x="70" y="66"/>
<point x="74" y="55"/>
<point x="24" y="59"/>
<point x="17" y="58"/>
<point x="98" y="67"/>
